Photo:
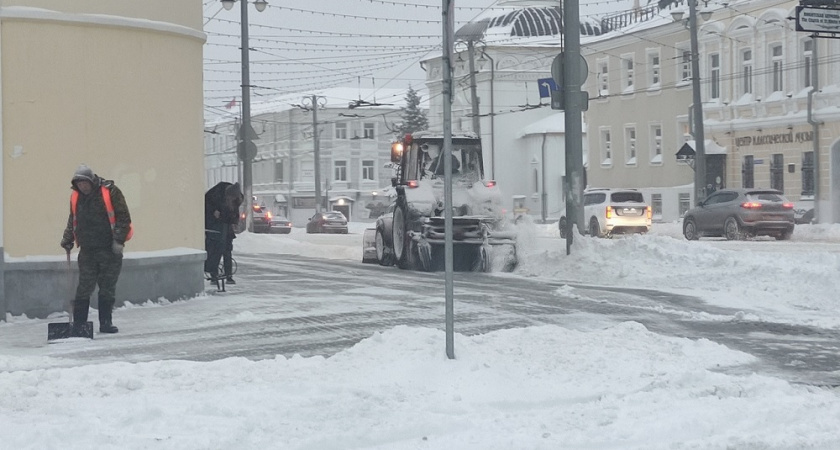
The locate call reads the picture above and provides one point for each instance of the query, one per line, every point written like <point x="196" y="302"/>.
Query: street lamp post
<point x="246" y="149"/>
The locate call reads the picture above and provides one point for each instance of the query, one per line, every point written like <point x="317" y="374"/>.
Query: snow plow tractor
<point x="411" y="233"/>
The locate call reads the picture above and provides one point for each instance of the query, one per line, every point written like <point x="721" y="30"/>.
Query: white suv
<point x="613" y="211"/>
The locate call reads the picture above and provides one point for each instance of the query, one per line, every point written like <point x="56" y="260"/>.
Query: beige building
<point x="116" y="84"/>
<point x="756" y="75"/>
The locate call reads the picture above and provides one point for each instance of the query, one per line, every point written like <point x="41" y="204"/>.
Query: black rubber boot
<point x="80" y="311"/>
<point x="105" y="325"/>
<point x="230" y="280"/>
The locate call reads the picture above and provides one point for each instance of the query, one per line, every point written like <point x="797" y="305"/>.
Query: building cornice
<point x="46" y="15"/>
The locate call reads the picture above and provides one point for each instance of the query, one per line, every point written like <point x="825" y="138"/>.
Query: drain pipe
<point x="815" y="127"/>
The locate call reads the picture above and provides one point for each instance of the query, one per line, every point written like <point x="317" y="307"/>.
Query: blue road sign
<point x="546" y="85"/>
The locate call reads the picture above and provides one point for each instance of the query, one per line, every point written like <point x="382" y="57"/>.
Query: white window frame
<point x="807" y="62"/>
<point x="603" y="77"/>
<point x="630" y="147"/>
<point x="714" y="76"/>
<point x="656" y="144"/>
<point x="747" y="71"/>
<point x="369" y="130"/>
<point x="368" y="170"/>
<point x="341" y="130"/>
<point x="777" y="66"/>
<point x="340" y="170"/>
<point x="654" y="68"/>
<point x="606" y="147"/>
<point x="684" y="66"/>
<point x="628" y="73"/>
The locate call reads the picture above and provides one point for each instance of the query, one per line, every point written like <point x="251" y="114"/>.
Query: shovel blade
<point x="66" y="330"/>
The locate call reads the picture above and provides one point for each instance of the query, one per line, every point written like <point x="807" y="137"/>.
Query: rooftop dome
<point x="530" y="21"/>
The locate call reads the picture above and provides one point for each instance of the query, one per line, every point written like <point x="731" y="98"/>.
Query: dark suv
<point x="741" y="213"/>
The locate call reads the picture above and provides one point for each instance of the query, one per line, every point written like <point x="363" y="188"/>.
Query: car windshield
<point x="334" y="215"/>
<point x="627" y="197"/>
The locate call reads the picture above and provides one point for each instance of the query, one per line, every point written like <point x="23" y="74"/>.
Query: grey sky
<point x="299" y="46"/>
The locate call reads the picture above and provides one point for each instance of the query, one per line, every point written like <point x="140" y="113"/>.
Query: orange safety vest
<point x="109" y="208"/>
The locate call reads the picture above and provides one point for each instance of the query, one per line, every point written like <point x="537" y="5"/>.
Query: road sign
<point x="817" y="20"/>
<point x="246" y="152"/>
<point x="546" y="85"/>
<point x="557" y="70"/>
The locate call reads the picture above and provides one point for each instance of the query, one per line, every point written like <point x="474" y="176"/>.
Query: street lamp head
<point x="228" y="4"/>
<point x="706" y="14"/>
<point x="260" y="5"/>
<point x="677" y="15"/>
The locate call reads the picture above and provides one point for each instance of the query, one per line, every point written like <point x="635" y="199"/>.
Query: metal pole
<point x="573" y="107"/>
<point x="245" y="131"/>
<point x="815" y="126"/>
<point x="316" y="141"/>
<point x="699" y="136"/>
<point x="476" y="117"/>
<point x="448" y="32"/>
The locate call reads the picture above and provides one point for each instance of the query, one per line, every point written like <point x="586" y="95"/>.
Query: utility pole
<point x="476" y="117"/>
<point x="448" y="33"/>
<point x="697" y="108"/>
<point x="247" y="149"/>
<point x="314" y="102"/>
<point x="815" y="127"/>
<point x="574" y="102"/>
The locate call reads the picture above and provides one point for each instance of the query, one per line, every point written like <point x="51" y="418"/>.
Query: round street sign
<point x="557" y="70"/>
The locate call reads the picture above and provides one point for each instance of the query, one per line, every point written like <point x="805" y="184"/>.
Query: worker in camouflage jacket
<point x="100" y="244"/>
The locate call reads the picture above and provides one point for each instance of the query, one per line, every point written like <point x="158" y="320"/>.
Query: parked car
<point x="741" y="213"/>
<point x="280" y="224"/>
<point x="609" y="211"/>
<point x="262" y="219"/>
<point x="327" y="222"/>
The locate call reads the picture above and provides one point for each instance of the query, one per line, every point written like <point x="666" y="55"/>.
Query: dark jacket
<point x="93" y="230"/>
<point x="215" y="200"/>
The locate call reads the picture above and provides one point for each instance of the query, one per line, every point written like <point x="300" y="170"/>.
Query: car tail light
<point x="751" y="205"/>
<point x="268" y="215"/>
<point x="489" y="183"/>
<point x="609" y="212"/>
<point x="787" y="205"/>
<point x="649" y="212"/>
<point x="412" y="183"/>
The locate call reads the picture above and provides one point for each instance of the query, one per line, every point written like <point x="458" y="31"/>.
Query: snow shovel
<point x="69" y="329"/>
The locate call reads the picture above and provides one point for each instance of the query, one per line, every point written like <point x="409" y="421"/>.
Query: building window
<point x="278" y="171"/>
<point x="685" y="202"/>
<point x="656" y="144"/>
<point x="341" y="130"/>
<point x="367" y="170"/>
<point x="603" y="78"/>
<point x="685" y="66"/>
<point x="653" y="68"/>
<point x="777" y="58"/>
<point x="368" y="130"/>
<point x="714" y="75"/>
<point x="606" y="148"/>
<point x="807" y="62"/>
<point x="656" y="205"/>
<point x="748" y="172"/>
<point x="747" y="71"/>
<point x="340" y="171"/>
<point x="807" y="174"/>
<point x="627" y="73"/>
<point x="777" y="172"/>
<point x="630" y="149"/>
